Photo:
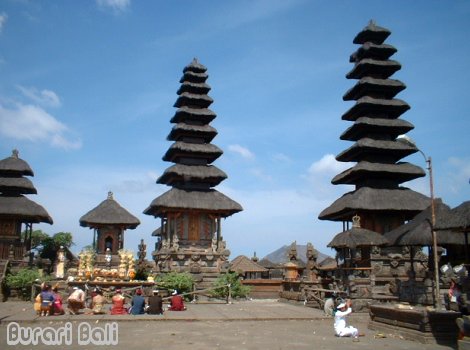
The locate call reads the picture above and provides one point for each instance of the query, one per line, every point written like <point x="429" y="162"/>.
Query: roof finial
<point x="15" y="153"/>
<point x="356" y="221"/>
<point x="195" y="61"/>
<point x="110" y="195"/>
<point x="372" y="23"/>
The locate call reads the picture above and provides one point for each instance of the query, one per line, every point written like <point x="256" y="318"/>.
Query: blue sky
<point x="87" y="89"/>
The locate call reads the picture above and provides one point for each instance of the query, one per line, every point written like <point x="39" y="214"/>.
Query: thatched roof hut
<point x="109" y="212"/>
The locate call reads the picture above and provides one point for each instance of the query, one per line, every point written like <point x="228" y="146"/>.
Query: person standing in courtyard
<point x="341" y="327"/>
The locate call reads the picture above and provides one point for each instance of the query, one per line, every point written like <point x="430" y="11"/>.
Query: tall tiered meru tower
<point x="378" y="198"/>
<point x="191" y="212"/>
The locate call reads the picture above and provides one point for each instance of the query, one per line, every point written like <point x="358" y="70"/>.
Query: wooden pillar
<point x="95" y="248"/>
<point x="219" y="229"/>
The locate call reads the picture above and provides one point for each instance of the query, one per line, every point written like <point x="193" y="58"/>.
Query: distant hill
<point x="279" y="256"/>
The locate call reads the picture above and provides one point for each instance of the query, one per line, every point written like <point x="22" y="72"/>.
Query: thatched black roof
<point x="109" y="212"/>
<point x="403" y="200"/>
<point x="357" y="237"/>
<point x="179" y="172"/>
<point x="157" y="232"/>
<point x="180" y="130"/>
<point x="391" y="150"/>
<point x="184" y="149"/>
<point x="377" y="68"/>
<point x="245" y="264"/>
<point x="191" y="99"/>
<point x="369" y="106"/>
<point x="15" y="166"/>
<point x="457" y="219"/>
<point x="192" y="176"/>
<point x="193" y="77"/>
<point x="387" y="88"/>
<point x="418" y="231"/>
<point x="200" y="88"/>
<point x="365" y="126"/>
<point x="185" y="113"/>
<point x="19" y="185"/>
<point x="24" y="209"/>
<point x="372" y="33"/>
<point x="371" y="50"/>
<point x="177" y="199"/>
<point x="399" y="172"/>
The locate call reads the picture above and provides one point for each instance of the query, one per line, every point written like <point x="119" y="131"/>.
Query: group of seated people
<point x="50" y="302"/>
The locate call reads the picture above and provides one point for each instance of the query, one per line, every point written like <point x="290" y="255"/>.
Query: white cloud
<point x="44" y="97"/>
<point x="28" y="122"/>
<point x="3" y="19"/>
<point x="116" y="6"/>
<point x="242" y="151"/>
<point x="328" y="165"/>
<point x="281" y="157"/>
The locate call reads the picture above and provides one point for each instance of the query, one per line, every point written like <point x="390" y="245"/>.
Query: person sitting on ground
<point x="47" y="300"/>
<point x="58" y="308"/>
<point x="155" y="304"/>
<point x="340" y="325"/>
<point x="98" y="301"/>
<point x="454" y="299"/>
<point x="76" y="301"/>
<point x="37" y="301"/>
<point x="176" y="302"/>
<point x="138" y="303"/>
<point x="118" y="304"/>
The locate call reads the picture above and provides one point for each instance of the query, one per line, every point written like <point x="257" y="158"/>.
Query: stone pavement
<point x="266" y="324"/>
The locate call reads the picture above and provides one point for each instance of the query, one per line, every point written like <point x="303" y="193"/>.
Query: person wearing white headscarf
<point x="341" y="327"/>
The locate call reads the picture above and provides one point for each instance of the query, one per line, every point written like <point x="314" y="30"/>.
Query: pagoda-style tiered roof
<point x="192" y="176"/>
<point x="378" y="172"/>
<point x="109" y="213"/>
<point x="12" y="188"/>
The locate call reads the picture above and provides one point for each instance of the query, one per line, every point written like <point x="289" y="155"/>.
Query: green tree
<point x="236" y="286"/>
<point x="23" y="280"/>
<point x="181" y="281"/>
<point x="48" y="246"/>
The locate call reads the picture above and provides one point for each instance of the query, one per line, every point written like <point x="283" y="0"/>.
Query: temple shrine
<point x="109" y="221"/>
<point x="378" y="201"/>
<point x="191" y="212"/>
<point x="17" y="210"/>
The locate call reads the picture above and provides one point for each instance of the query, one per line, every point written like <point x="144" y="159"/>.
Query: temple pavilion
<point x="109" y="221"/>
<point x="17" y="210"/>
<point x="378" y="198"/>
<point x="191" y="212"/>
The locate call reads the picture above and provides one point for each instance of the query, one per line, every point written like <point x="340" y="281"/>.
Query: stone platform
<point x="417" y="323"/>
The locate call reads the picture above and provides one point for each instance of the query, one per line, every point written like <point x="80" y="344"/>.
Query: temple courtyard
<point x="257" y="324"/>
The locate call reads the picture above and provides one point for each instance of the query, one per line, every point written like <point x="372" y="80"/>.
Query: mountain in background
<point x="279" y="256"/>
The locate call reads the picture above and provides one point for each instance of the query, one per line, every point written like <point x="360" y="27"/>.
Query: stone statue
<point x="214" y="242"/>
<point x="292" y="253"/>
<point x="60" y="266"/>
<point x="176" y="244"/>
<point x="312" y="267"/>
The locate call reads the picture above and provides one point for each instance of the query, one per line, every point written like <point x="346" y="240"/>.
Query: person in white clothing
<point x="341" y="327"/>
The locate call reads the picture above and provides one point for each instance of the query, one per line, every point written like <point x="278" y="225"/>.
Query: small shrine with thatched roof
<point x="16" y="209"/>
<point x="109" y="221"/>
<point x="191" y="212"/>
